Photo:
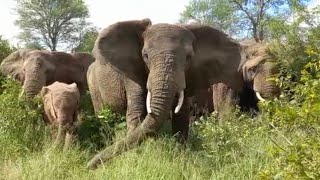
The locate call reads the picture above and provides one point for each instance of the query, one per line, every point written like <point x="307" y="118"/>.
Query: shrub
<point x="21" y="128"/>
<point x="97" y="131"/>
<point x="297" y="117"/>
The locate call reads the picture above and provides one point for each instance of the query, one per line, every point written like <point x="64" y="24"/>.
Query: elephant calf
<point x="61" y="103"/>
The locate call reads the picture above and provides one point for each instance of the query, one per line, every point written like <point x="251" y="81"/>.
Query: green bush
<point x="298" y="119"/>
<point x="97" y="131"/>
<point x="235" y="146"/>
<point x="5" y="48"/>
<point x="21" y="128"/>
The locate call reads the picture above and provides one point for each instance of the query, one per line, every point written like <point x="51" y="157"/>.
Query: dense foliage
<point x="5" y="48"/>
<point x="87" y="40"/>
<point x="242" y="18"/>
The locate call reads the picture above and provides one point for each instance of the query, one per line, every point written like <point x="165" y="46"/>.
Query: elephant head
<point x="37" y="69"/>
<point x="173" y="61"/>
<point x="12" y="65"/>
<point x="61" y="103"/>
<point x="259" y="70"/>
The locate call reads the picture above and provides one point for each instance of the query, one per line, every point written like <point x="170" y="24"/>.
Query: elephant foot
<point x="68" y="142"/>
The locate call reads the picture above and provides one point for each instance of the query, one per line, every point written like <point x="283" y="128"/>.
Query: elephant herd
<point x="150" y="73"/>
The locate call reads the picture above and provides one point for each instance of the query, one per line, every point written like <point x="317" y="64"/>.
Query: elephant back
<point x="85" y="59"/>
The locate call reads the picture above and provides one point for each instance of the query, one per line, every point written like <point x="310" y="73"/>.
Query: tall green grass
<point x="239" y="147"/>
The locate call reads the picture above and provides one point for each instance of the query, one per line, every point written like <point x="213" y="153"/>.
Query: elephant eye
<point x="252" y="71"/>
<point x="145" y="55"/>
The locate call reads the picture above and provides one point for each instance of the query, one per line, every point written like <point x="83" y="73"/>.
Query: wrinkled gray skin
<point x="135" y="57"/>
<point x="61" y="103"/>
<point x="38" y="68"/>
<point x="257" y="73"/>
<point x="259" y="69"/>
<point x="12" y="65"/>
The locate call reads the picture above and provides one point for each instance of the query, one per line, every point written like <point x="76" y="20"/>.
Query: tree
<point x="51" y="22"/>
<point x="241" y="17"/>
<point x="5" y="48"/>
<point x="86" y="41"/>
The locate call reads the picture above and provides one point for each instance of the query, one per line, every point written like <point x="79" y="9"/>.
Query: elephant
<point x="61" y="104"/>
<point x="147" y="69"/>
<point x="12" y="65"/>
<point x="37" y="68"/>
<point x="85" y="59"/>
<point x="222" y="97"/>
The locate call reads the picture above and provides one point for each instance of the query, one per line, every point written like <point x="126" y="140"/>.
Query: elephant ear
<point x="120" y="46"/>
<point x="217" y="58"/>
<point x="12" y="65"/>
<point x="73" y="85"/>
<point x="255" y="54"/>
<point x="44" y="91"/>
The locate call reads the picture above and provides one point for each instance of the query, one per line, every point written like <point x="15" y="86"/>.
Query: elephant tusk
<point x="21" y="94"/>
<point x="148" y="102"/>
<point x="259" y="97"/>
<point x="180" y="102"/>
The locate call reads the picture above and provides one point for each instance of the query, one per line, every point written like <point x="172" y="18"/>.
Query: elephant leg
<point x="60" y="135"/>
<point x="82" y="88"/>
<point x="180" y="122"/>
<point x="68" y="141"/>
<point x="93" y="85"/>
<point x="96" y="99"/>
<point x="136" y="109"/>
<point x="110" y="88"/>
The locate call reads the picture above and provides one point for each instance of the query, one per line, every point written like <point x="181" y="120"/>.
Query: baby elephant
<point x="61" y="104"/>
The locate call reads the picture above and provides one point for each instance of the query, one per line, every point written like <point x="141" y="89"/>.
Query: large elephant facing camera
<point x="147" y="70"/>
<point x="38" y="68"/>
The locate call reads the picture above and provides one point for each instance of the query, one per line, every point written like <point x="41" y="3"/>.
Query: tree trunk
<point x="54" y="44"/>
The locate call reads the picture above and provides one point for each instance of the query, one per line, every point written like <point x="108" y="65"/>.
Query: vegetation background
<point x="282" y="142"/>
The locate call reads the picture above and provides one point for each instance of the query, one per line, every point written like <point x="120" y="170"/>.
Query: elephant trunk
<point x="163" y="85"/>
<point x="166" y="80"/>
<point x="160" y="105"/>
<point x="33" y="83"/>
<point x="64" y="130"/>
<point x="160" y="101"/>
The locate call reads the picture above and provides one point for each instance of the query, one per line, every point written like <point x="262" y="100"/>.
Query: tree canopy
<point x="86" y="41"/>
<point x="50" y="23"/>
<point x="5" y="48"/>
<point x="244" y="18"/>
